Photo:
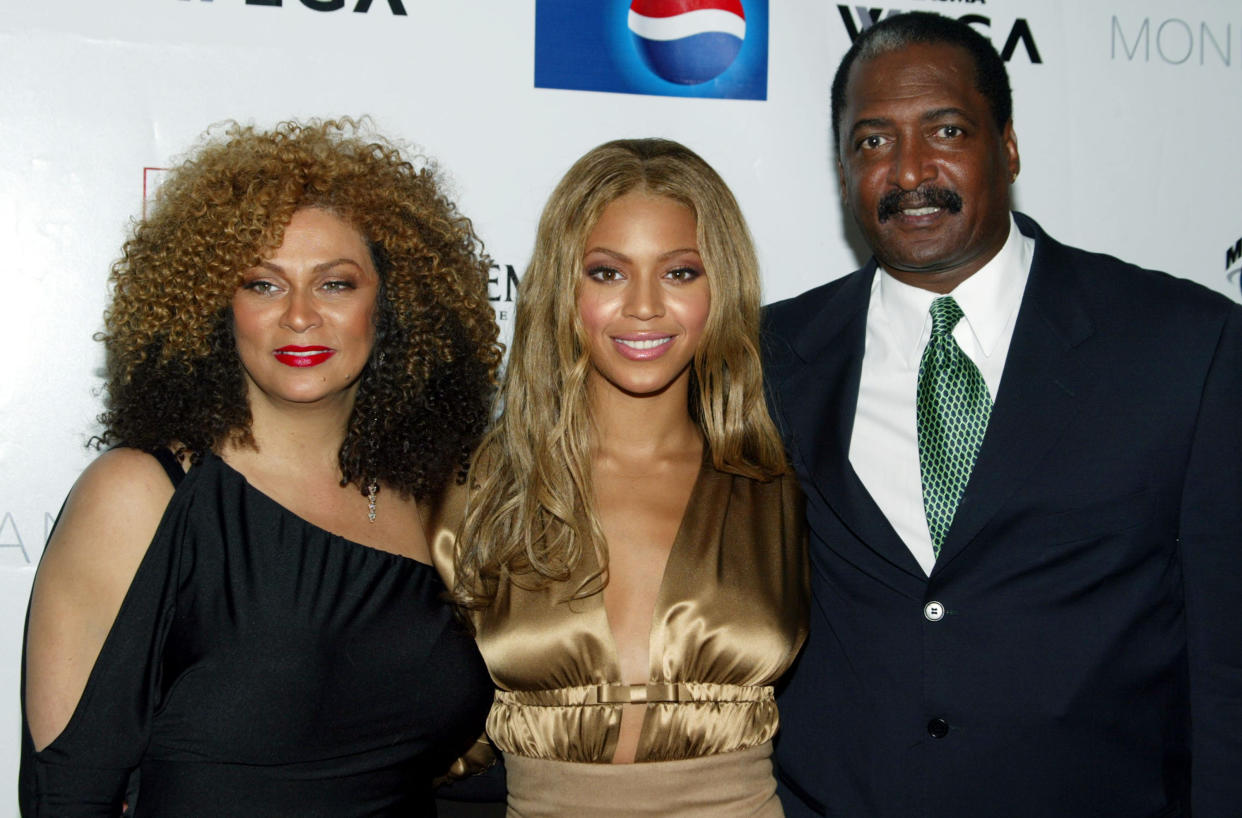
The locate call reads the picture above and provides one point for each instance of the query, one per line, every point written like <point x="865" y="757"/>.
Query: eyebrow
<point x="941" y="113"/>
<point x="928" y="116"/>
<point x="624" y="257"/>
<point x="318" y="268"/>
<point x="872" y="122"/>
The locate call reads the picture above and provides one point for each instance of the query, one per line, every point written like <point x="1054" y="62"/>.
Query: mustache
<point x="895" y="201"/>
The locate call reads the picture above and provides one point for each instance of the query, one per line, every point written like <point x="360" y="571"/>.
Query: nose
<point x="912" y="163"/>
<point x="301" y="312"/>
<point x="644" y="299"/>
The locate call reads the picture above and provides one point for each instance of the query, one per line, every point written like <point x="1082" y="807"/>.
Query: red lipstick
<point x="303" y="356"/>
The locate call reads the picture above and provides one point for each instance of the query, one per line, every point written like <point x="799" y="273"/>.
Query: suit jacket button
<point x="937" y="728"/>
<point x="933" y="611"/>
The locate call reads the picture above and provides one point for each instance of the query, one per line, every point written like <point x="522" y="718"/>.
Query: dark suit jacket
<point x="1089" y="658"/>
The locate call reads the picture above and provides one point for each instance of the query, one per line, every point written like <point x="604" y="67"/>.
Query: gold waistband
<point x="737" y="784"/>
<point x="655" y="692"/>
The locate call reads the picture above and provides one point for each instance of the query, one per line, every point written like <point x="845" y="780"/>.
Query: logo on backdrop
<point x="13" y="549"/>
<point x="502" y="286"/>
<point x="1172" y="41"/>
<point x="677" y="48"/>
<point x="1233" y="262"/>
<point x="360" y="6"/>
<point x="1020" y="33"/>
<point x="688" y="47"/>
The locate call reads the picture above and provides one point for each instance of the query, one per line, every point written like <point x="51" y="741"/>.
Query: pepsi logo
<point x="688" y="42"/>
<point x="674" y="48"/>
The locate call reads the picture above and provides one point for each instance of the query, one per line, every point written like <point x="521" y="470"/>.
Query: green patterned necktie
<point x="953" y="410"/>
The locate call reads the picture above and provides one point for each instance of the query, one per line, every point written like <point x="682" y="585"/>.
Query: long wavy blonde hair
<point x="530" y="511"/>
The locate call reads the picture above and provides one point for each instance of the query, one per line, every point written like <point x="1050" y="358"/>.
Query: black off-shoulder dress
<point x="262" y="666"/>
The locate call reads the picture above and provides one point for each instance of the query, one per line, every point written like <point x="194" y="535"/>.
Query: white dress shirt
<point x="884" y="446"/>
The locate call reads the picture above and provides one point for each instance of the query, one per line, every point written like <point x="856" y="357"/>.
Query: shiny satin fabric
<point x="729" y="619"/>
<point x="728" y="785"/>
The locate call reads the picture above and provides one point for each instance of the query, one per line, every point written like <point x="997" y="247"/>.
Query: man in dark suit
<point x="1023" y="469"/>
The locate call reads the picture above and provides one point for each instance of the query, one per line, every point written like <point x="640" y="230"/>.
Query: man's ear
<point x="1009" y="143"/>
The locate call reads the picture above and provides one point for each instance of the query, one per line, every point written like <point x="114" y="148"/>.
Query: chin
<point x="635" y="387"/>
<point x="647" y="389"/>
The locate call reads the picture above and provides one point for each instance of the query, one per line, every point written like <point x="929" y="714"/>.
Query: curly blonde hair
<point x="173" y="370"/>
<point x="531" y="508"/>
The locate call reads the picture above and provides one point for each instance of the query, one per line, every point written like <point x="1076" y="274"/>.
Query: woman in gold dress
<point x="632" y="554"/>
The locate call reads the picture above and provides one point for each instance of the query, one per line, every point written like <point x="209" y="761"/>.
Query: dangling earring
<point x="372" y="488"/>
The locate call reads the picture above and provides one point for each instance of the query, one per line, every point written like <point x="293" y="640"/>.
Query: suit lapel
<point x="821" y="395"/>
<point x="1044" y="386"/>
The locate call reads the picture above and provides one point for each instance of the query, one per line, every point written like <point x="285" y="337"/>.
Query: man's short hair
<point x="901" y="30"/>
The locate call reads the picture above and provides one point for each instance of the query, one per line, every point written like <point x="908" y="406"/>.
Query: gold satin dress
<point x="729" y="619"/>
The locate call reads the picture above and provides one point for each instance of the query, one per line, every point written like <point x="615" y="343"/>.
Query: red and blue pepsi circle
<point x="688" y="42"/>
<point x="676" y="48"/>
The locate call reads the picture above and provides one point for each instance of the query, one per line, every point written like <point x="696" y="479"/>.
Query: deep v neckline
<point x="660" y="608"/>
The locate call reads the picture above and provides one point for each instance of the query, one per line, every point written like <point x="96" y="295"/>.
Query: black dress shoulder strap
<point x="170" y="463"/>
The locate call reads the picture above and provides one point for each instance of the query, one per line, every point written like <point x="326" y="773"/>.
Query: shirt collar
<point x="988" y="299"/>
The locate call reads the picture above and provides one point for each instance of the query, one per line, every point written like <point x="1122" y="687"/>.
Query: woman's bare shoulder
<point x="117" y="502"/>
<point x="87" y="567"/>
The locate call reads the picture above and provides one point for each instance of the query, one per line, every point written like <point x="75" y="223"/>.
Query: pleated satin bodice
<point x="729" y="619"/>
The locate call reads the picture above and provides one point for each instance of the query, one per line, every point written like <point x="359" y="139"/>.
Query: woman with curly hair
<point x="632" y="553"/>
<point x="236" y="601"/>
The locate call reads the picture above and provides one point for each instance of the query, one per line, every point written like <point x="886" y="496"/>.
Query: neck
<point x="301" y="436"/>
<point x="643" y="427"/>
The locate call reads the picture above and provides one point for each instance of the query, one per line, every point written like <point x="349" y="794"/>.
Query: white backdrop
<point x="1127" y="125"/>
